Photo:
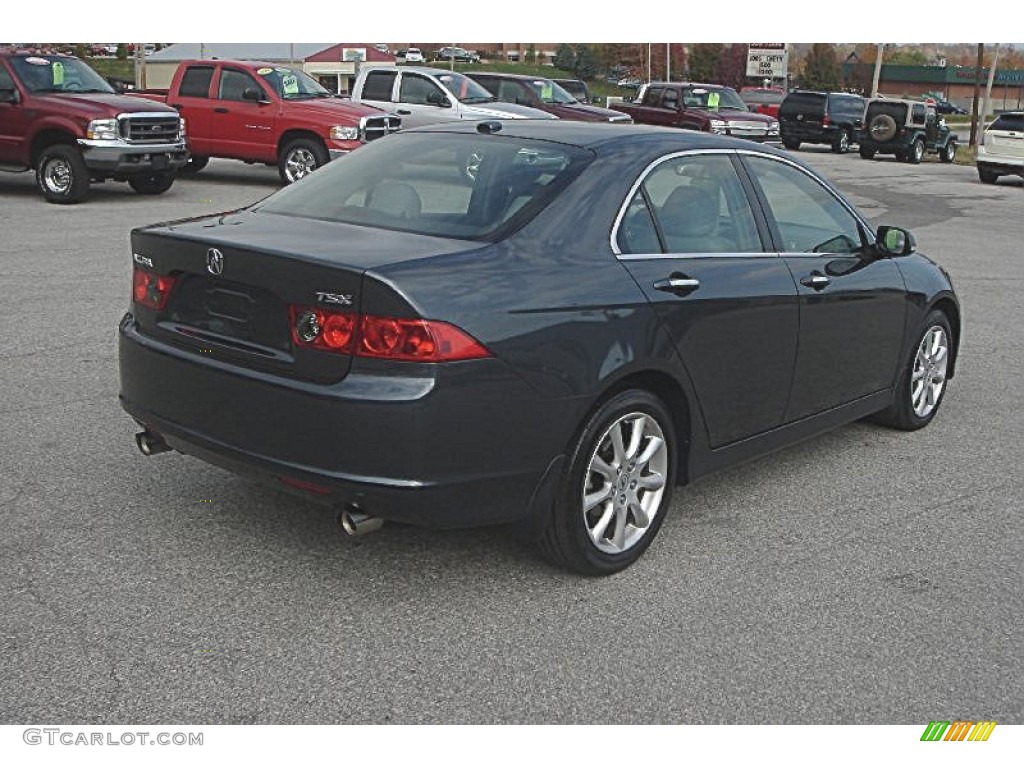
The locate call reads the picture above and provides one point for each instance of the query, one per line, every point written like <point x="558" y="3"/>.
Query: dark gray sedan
<point x="595" y="315"/>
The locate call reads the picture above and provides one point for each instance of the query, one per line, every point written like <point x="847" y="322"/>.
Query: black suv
<point x="814" y="117"/>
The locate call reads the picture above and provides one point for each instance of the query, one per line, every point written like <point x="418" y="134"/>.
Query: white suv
<point x="413" y="56"/>
<point x="1001" y="150"/>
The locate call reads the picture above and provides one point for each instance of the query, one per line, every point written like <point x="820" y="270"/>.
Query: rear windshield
<point x="464" y="186"/>
<point x="806" y="103"/>
<point x="1010" y="122"/>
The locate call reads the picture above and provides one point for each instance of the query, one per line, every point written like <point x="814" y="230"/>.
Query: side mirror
<point x="9" y="96"/>
<point x="252" y="94"/>
<point x="438" y="99"/>
<point x="895" y="241"/>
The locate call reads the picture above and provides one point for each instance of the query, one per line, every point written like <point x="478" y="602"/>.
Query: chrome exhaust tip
<point x="150" y="443"/>
<point x="355" y="522"/>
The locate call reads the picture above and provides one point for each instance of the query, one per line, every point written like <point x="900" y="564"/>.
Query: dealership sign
<point x="767" y="60"/>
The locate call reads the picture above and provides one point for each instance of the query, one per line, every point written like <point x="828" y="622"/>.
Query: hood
<point x="332" y="109"/>
<point x="585" y="112"/>
<point x="504" y="109"/>
<point x="100" y="105"/>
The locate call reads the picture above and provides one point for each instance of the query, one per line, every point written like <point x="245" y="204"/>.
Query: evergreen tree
<point x="703" y="60"/>
<point x="565" y="58"/>
<point x="821" y="68"/>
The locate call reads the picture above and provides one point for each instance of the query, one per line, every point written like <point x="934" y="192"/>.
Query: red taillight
<point x="151" y="290"/>
<point x="391" y="338"/>
<point x="825" y="121"/>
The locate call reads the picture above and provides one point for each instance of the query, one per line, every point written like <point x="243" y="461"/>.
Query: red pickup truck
<point x="60" y="118"/>
<point x="261" y="112"/>
<point x="700" y="107"/>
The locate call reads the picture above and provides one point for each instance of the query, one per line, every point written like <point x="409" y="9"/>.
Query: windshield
<point x="551" y="92"/>
<point x="464" y="186"/>
<point x="58" y="74"/>
<point x="292" y="83"/>
<point x="713" y="98"/>
<point x="465" y="90"/>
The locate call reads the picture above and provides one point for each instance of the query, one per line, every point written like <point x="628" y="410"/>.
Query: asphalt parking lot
<point x="867" y="576"/>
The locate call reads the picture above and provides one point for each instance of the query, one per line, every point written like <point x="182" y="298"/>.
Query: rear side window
<point x="377" y="86"/>
<point x="422" y="183"/>
<point x="1011" y="122"/>
<point x="917" y="113"/>
<point x="699" y="205"/>
<point x="196" y="82"/>
<point x="845" y="105"/>
<point x="652" y="98"/>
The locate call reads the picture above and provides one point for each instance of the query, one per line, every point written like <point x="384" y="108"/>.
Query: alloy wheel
<point x="624" y="483"/>
<point x="57" y="176"/>
<point x="929" y="375"/>
<point x="299" y="164"/>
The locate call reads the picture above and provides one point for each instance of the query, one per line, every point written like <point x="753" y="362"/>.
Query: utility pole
<point x="878" y="71"/>
<point x="140" y="65"/>
<point x="986" y="104"/>
<point x="977" y="92"/>
<point x="668" y="62"/>
<point x="648" y="62"/>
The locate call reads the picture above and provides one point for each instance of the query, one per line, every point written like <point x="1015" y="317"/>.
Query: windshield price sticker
<point x="290" y="84"/>
<point x="58" y="73"/>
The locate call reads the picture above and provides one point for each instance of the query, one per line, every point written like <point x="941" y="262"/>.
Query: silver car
<point x="426" y="95"/>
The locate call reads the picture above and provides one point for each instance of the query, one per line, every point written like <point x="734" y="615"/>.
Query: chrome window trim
<point x="716" y="151"/>
<point x="700" y="255"/>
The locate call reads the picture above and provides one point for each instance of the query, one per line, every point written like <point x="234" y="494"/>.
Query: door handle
<point x="815" y="280"/>
<point x="404" y="111"/>
<point x="678" y="284"/>
<point x="221" y="110"/>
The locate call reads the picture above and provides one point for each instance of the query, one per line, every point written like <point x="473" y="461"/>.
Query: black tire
<point x="867" y="154"/>
<point x="566" y="538"/>
<point x="916" y="151"/>
<point x="986" y="174"/>
<point x="155" y="183"/>
<point x="300" y="157"/>
<point x="901" y="414"/>
<point x="842" y="143"/>
<point x="791" y="145"/>
<point x="61" y="174"/>
<point x="195" y="164"/>
<point x="948" y="153"/>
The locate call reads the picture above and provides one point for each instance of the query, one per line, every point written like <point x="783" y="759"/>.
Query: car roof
<point x="595" y="135"/>
<point x="434" y="71"/>
<point x="508" y="76"/>
<point x="688" y="84"/>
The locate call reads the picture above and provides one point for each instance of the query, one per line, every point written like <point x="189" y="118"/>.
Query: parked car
<point x="545" y="95"/>
<point x="763" y="100"/>
<point x="699" y="107"/>
<point x="816" y="117"/>
<point x="261" y="112"/>
<point x="907" y="129"/>
<point x="425" y="95"/>
<point x="59" y="118"/>
<point x="944" y="107"/>
<point x="413" y="56"/>
<point x="457" y="54"/>
<point x="555" y="342"/>
<point x="576" y="88"/>
<point x="1001" y="149"/>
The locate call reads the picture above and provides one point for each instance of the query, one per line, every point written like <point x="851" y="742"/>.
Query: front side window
<point x="234" y="83"/>
<point x="418" y="183"/>
<point x="652" y="97"/>
<point x="808" y="217"/>
<point x="690" y="204"/>
<point x="417" y="89"/>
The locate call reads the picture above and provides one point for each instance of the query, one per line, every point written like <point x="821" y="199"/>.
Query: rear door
<point x="690" y="238"/>
<point x="852" y="303"/>
<point x="193" y="102"/>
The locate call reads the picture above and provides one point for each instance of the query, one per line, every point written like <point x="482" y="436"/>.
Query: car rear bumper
<point x="810" y="134"/>
<point x="1002" y="163"/>
<point x="467" y="446"/>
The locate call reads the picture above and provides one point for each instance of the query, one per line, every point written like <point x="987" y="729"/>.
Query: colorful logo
<point x="959" y="730"/>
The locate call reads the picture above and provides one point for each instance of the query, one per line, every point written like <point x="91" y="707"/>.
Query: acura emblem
<point x="214" y="261"/>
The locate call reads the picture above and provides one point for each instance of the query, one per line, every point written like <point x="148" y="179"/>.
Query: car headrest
<point x="690" y="211"/>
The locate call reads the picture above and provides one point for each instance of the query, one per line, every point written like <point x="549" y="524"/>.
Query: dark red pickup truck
<point x="59" y="117"/>
<point x="261" y="112"/>
<point x="700" y="107"/>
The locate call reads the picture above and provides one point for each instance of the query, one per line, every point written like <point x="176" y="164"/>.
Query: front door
<point x="689" y="239"/>
<point x="244" y="128"/>
<point x="13" y="124"/>
<point x="852" y="303"/>
<point x="420" y="101"/>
